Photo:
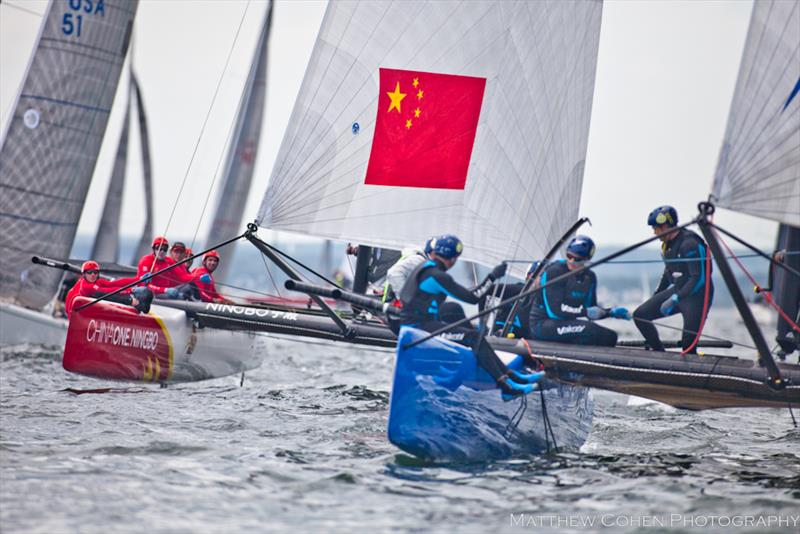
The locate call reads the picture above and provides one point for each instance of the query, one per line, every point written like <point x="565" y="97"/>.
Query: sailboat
<point x="168" y="344"/>
<point x="48" y="155"/>
<point x="521" y="80"/>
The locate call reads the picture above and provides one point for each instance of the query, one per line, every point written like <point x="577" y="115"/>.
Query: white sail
<point x="759" y="165"/>
<point x="106" y="241"/>
<point x="50" y="148"/>
<point x="535" y="64"/>
<point x="240" y="161"/>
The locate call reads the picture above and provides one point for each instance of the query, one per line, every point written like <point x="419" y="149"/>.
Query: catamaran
<point x="506" y="90"/>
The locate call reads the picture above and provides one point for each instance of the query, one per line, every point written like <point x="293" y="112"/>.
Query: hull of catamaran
<point x="20" y="325"/>
<point x="445" y="408"/>
<point x="112" y="341"/>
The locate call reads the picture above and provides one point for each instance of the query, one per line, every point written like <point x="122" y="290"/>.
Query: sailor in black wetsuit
<point x="424" y="294"/>
<point x="558" y="310"/>
<point x="682" y="286"/>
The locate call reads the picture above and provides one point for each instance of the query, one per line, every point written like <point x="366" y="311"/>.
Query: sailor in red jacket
<point x="158" y="260"/>
<point x="201" y="277"/>
<point x="91" y="285"/>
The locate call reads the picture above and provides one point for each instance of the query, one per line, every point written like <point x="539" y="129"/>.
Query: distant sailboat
<point x="49" y="151"/>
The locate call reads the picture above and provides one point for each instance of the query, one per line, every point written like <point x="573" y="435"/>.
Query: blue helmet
<point x="429" y="245"/>
<point x="447" y="246"/>
<point x="581" y="246"/>
<point x="663" y="215"/>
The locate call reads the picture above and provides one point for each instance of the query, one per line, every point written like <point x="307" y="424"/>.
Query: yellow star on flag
<point x="396" y="97"/>
<point x="415" y="83"/>
<point x="408" y="124"/>
<point x="417" y="113"/>
<point x="419" y="94"/>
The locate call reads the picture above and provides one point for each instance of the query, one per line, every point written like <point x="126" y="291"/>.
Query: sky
<point x="665" y="78"/>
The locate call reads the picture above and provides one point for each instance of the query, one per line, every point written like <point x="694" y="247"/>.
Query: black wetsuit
<point x="687" y="279"/>
<point x="423" y="297"/>
<point x="557" y="310"/>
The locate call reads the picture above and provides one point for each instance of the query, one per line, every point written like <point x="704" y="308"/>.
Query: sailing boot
<point x="511" y="390"/>
<point x="525" y="378"/>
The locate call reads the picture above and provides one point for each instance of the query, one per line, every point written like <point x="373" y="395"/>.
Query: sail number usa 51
<point x="72" y="22"/>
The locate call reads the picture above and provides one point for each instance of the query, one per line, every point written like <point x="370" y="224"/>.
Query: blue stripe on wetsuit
<point x="550" y="313"/>
<point x="702" y="280"/>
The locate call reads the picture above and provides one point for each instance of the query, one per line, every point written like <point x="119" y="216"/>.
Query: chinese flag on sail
<point x="425" y="129"/>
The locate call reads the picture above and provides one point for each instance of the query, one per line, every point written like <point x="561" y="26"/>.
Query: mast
<point x="50" y="149"/>
<point x="147" y="174"/>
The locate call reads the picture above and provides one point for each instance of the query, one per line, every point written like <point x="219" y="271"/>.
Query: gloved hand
<point x="145" y="277"/>
<point x="595" y="313"/>
<point x="498" y="272"/>
<point x="206" y="278"/>
<point x="171" y="292"/>
<point x="669" y="305"/>
<point x="620" y="313"/>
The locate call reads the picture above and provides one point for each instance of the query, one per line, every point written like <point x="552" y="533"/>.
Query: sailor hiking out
<point x="424" y="295"/>
<point x="201" y="284"/>
<point x="682" y="287"/>
<point x="158" y="260"/>
<point x="559" y="311"/>
<point x="91" y="285"/>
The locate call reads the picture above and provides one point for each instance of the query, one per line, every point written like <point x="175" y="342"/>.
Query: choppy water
<point x="301" y="447"/>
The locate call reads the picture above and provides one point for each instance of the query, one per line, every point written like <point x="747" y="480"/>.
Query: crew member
<point x="398" y="273"/>
<point x="559" y="310"/>
<point x="177" y="251"/>
<point x="91" y="285"/>
<point x="203" y="279"/>
<point x="425" y="292"/>
<point x="682" y="286"/>
<point x="158" y="260"/>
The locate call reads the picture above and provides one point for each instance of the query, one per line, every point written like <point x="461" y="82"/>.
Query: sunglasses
<point x="162" y="248"/>
<point x="93" y="271"/>
<point x="573" y="257"/>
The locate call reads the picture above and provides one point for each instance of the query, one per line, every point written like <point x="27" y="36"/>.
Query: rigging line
<point x="767" y="294"/>
<point x="516" y="419"/>
<point x="304" y="266"/>
<point x="25" y="9"/>
<point x="706" y="336"/>
<point x="757" y="251"/>
<point x="205" y="120"/>
<point x="794" y="421"/>
<point x="269" y="272"/>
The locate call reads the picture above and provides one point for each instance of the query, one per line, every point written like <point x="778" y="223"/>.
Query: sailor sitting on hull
<point x="91" y="285"/>
<point x="559" y="311"/>
<point x="682" y="286"/>
<point x="201" y="286"/>
<point x="424" y="294"/>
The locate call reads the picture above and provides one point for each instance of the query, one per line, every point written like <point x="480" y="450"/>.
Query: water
<point x="302" y="447"/>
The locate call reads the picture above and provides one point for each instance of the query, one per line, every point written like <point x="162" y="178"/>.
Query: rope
<point x="548" y="427"/>
<point x="706" y="293"/>
<point x="516" y="419"/>
<point x="767" y="294"/>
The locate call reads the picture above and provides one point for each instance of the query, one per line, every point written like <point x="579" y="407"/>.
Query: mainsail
<point x="106" y="241"/>
<point x="50" y="148"/>
<point x="147" y="175"/>
<point x="759" y="165"/>
<point x="239" y="165"/>
<point x="519" y="69"/>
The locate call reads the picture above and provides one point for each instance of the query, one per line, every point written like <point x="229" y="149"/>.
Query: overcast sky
<point x="666" y="73"/>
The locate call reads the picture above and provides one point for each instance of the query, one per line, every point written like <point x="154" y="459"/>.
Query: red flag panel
<point x="425" y="129"/>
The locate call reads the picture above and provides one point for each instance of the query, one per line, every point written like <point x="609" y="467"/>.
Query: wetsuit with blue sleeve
<point x="685" y="276"/>
<point x="559" y="310"/>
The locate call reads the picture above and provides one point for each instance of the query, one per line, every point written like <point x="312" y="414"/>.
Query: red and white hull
<point x="113" y="341"/>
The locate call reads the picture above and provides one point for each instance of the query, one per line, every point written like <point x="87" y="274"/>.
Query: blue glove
<point x="171" y="292"/>
<point x="668" y="305"/>
<point x="596" y="313"/>
<point x="145" y="277"/>
<point x="525" y="378"/>
<point x="206" y="278"/>
<point x="620" y="313"/>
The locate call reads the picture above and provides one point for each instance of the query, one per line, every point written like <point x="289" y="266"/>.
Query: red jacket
<point x="150" y="264"/>
<point x="83" y="288"/>
<point x="208" y="292"/>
